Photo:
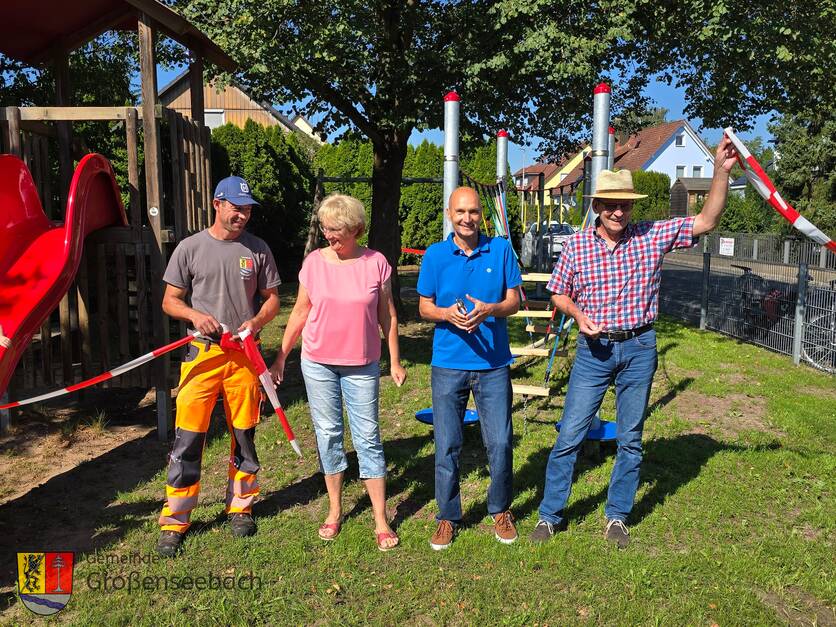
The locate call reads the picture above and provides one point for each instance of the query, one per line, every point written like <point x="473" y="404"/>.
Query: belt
<point x="206" y="344"/>
<point x="620" y="336"/>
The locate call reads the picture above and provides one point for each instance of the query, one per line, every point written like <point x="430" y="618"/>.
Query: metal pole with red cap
<point x="451" y="153"/>
<point x="600" y="138"/>
<point x="501" y="171"/>
<point x="611" y="149"/>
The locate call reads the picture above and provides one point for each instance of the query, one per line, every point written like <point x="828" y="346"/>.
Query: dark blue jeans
<point x="631" y="364"/>
<point x="492" y="393"/>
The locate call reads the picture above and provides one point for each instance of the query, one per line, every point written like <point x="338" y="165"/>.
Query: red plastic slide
<point x="38" y="258"/>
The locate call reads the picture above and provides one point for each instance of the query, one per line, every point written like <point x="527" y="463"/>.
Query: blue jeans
<point x="492" y="393"/>
<point x="631" y="363"/>
<point x="327" y="387"/>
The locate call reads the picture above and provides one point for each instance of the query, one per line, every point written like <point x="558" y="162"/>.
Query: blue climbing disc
<point x="604" y="433"/>
<point x="426" y="416"/>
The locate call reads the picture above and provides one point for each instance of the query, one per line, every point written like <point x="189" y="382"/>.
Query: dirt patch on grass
<point x="797" y="607"/>
<point x="731" y="415"/>
<point x="45" y="442"/>
<point x="62" y="471"/>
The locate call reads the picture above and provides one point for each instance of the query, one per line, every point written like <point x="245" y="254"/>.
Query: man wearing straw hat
<point x="608" y="279"/>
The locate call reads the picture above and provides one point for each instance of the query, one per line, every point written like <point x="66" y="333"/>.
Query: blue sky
<point x="670" y="98"/>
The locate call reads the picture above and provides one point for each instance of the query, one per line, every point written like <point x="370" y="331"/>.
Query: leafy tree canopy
<point x="738" y="60"/>
<point x="805" y="171"/>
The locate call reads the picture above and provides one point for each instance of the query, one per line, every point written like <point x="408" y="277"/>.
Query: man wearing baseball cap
<point x="222" y="274"/>
<point x="607" y="279"/>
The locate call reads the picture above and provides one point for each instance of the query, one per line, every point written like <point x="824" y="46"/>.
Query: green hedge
<point x="280" y="177"/>
<point x="420" y="210"/>
<point x="657" y="205"/>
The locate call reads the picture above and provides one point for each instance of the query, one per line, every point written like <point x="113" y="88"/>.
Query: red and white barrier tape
<point x="136" y="363"/>
<point x="246" y="344"/>
<point x="764" y="186"/>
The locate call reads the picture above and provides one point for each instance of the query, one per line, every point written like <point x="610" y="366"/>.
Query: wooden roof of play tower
<point x="34" y="30"/>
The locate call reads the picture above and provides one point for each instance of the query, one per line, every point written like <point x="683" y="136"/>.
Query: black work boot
<point x="170" y="543"/>
<point x="242" y="525"/>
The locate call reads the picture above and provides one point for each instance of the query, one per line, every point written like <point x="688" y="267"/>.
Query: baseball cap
<point x="236" y="190"/>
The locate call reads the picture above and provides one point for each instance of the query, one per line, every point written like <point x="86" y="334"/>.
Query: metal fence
<point x="769" y="247"/>
<point x="745" y="293"/>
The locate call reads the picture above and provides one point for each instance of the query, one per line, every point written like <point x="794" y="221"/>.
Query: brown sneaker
<point x="443" y="536"/>
<point x="503" y="527"/>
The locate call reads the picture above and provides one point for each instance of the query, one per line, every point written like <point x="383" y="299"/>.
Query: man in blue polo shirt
<point x="470" y="354"/>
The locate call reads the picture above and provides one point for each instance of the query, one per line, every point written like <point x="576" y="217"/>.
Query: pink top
<point x="342" y="327"/>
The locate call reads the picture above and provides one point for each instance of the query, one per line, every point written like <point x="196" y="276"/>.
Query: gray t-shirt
<point x="223" y="276"/>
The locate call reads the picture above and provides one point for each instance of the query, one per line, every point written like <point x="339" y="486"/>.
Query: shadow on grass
<point x="668" y="465"/>
<point x="75" y="511"/>
<point x="78" y="511"/>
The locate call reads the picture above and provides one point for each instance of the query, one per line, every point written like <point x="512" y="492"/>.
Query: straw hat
<point x="615" y="186"/>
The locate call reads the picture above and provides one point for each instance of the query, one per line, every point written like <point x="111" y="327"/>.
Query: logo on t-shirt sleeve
<point x="247" y="267"/>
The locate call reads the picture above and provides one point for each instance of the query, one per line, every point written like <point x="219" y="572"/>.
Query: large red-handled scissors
<point x="254" y="355"/>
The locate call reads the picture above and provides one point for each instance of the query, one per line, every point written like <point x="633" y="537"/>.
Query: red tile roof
<point x="638" y="149"/>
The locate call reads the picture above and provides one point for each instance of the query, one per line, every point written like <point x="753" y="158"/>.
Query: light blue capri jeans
<point x="328" y="387"/>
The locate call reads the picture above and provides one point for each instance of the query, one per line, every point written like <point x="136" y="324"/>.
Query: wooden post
<point x="66" y="339"/>
<point x="5" y="415"/>
<point x="133" y="167"/>
<point x="46" y="178"/>
<point x="142" y="295"/>
<point x="196" y="87"/>
<point x="83" y="299"/>
<point x="206" y="141"/>
<point x="102" y="307"/>
<point x="46" y="350"/>
<point x="153" y="158"/>
<point x="191" y="185"/>
<point x="13" y="119"/>
<point x="65" y="129"/>
<point x="198" y="170"/>
<point x="26" y="141"/>
<point x="176" y="177"/>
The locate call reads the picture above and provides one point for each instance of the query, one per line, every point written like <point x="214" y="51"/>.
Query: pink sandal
<point x="333" y="528"/>
<point x="387" y="535"/>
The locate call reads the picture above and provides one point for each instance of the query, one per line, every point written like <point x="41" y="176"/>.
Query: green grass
<point x="733" y="524"/>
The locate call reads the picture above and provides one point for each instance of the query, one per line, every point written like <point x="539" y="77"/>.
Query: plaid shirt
<point x="619" y="288"/>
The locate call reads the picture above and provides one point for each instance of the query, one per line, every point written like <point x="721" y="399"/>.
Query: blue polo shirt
<point x="447" y="273"/>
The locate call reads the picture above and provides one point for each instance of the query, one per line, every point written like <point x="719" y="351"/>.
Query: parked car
<point x="540" y="250"/>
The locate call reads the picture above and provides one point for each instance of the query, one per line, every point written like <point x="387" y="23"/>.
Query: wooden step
<point x="532" y="314"/>
<point x="535" y="304"/>
<point x="537" y="277"/>
<point x="541" y="328"/>
<point x="531" y="390"/>
<point x="526" y="351"/>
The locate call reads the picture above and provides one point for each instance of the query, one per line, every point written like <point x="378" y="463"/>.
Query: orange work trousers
<point x="207" y="371"/>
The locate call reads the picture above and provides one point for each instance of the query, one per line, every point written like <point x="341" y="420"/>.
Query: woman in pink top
<point x="344" y="301"/>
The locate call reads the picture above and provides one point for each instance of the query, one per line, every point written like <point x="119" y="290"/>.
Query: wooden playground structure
<point x="113" y="311"/>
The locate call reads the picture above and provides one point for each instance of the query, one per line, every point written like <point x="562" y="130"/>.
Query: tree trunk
<point x="385" y="231"/>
